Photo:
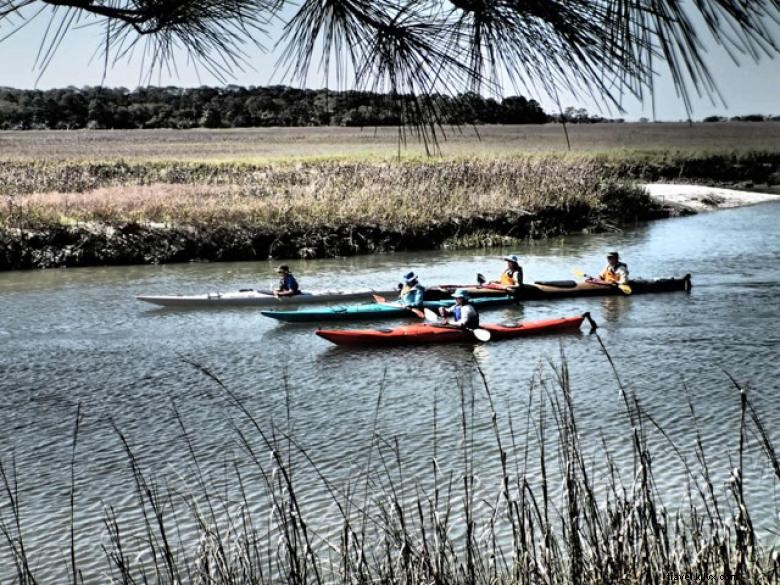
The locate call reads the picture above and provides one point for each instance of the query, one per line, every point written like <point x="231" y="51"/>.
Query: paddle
<point x="383" y="300"/>
<point x="479" y="334"/>
<point x="624" y="288"/>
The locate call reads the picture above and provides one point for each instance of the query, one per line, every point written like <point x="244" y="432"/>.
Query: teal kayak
<point x="377" y="310"/>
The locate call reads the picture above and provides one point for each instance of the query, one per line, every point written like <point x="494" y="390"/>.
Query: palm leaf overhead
<point x="414" y="49"/>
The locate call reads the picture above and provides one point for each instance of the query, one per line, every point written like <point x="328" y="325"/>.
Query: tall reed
<point x="544" y="521"/>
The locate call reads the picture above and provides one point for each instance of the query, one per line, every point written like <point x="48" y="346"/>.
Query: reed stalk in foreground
<point x="547" y="519"/>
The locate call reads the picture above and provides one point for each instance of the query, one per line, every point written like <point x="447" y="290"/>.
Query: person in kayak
<point x="513" y="275"/>
<point x="615" y="272"/>
<point x="412" y="292"/>
<point x="464" y="313"/>
<point x="288" y="286"/>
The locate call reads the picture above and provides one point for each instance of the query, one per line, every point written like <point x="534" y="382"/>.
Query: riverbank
<point x="700" y="198"/>
<point x="88" y="213"/>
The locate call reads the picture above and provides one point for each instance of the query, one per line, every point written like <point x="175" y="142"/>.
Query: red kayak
<point x="424" y="333"/>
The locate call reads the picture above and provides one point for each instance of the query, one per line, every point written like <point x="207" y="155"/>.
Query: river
<point x="78" y="336"/>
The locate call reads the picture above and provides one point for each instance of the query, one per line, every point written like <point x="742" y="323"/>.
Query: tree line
<point x="242" y="107"/>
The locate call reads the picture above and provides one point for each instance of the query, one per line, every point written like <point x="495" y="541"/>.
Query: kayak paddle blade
<point x="430" y="315"/>
<point x="625" y="288"/>
<point x="481" y="334"/>
<point x="579" y="273"/>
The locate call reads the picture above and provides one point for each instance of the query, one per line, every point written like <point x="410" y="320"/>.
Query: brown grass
<point x="335" y="193"/>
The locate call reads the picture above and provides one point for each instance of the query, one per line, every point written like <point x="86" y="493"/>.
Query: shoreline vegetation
<point x="84" y="211"/>
<point x="547" y="506"/>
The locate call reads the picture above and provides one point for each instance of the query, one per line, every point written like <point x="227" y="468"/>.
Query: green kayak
<point x="370" y="311"/>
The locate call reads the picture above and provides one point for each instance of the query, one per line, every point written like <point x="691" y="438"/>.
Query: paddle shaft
<point x="382" y="300"/>
<point x="624" y="288"/>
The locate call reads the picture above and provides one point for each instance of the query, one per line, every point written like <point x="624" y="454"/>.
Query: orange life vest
<point x="609" y="274"/>
<point x="508" y="278"/>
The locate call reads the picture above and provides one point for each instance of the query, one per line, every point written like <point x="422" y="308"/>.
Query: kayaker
<point x="513" y="275"/>
<point x="464" y="313"/>
<point x="288" y="286"/>
<point x="412" y="292"/>
<point x="615" y="272"/>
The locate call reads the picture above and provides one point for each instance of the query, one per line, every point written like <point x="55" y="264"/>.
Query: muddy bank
<point x="146" y="243"/>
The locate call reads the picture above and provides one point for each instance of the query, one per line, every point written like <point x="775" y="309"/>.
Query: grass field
<point x="260" y="144"/>
<point x="336" y="191"/>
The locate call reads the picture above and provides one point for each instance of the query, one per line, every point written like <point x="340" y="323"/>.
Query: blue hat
<point x="410" y="277"/>
<point x="511" y="259"/>
<point x="460" y="292"/>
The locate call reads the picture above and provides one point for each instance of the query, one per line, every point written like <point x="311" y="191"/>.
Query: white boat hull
<point x="257" y="298"/>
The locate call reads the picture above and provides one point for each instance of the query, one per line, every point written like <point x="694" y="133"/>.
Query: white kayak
<point x="261" y="298"/>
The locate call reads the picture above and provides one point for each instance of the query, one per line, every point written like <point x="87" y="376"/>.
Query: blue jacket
<point x="413" y="297"/>
<point x="288" y="282"/>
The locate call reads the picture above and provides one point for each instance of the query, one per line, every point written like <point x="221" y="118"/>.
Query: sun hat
<point x="613" y="255"/>
<point x="460" y="292"/>
<point x="410" y="277"/>
<point x="512" y="258"/>
<point x="283" y="269"/>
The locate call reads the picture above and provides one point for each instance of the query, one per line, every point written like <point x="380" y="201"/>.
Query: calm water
<point x="79" y="336"/>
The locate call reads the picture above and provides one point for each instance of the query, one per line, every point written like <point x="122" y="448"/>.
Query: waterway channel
<point x="78" y="337"/>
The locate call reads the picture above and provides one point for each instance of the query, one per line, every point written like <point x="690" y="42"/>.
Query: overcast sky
<point x="746" y="88"/>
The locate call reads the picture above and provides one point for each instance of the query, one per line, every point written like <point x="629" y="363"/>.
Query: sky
<point x="747" y="88"/>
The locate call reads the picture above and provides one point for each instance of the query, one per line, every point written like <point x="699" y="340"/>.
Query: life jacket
<point x="508" y="278"/>
<point x="457" y="313"/>
<point x="609" y="274"/>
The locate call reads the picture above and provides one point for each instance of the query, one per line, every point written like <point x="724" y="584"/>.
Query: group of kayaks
<point x="481" y="296"/>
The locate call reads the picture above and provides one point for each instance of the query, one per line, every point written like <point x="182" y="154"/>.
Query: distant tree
<point x="749" y="118"/>
<point x="211" y="118"/>
<point x="413" y="49"/>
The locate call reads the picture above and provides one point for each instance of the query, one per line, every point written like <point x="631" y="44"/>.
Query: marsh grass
<point x="315" y="193"/>
<point x="564" y="518"/>
<point x="320" y="194"/>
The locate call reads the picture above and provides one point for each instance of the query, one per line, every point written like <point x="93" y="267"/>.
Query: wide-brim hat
<point x="283" y="269"/>
<point x="511" y="258"/>
<point x="613" y="255"/>
<point x="410" y="277"/>
<point x="460" y="293"/>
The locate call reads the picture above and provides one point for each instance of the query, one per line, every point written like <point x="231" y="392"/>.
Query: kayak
<point x="555" y="289"/>
<point x="377" y="310"/>
<point x="260" y="298"/>
<point x="429" y="333"/>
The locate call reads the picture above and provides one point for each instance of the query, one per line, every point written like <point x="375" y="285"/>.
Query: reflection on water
<point x="613" y="308"/>
<point x="78" y="337"/>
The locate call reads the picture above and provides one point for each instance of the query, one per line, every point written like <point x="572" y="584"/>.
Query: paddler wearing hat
<point x="615" y="272"/>
<point x="288" y="286"/>
<point x="513" y="275"/>
<point x="412" y="292"/>
<point x="464" y="313"/>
